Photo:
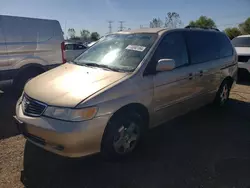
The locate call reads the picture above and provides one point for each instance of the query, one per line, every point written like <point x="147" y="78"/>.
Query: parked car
<point x="72" y="50"/>
<point x="125" y="84"/>
<point x="242" y="46"/>
<point x="28" y="48"/>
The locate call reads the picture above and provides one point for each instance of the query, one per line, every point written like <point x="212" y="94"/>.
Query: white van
<point x="28" y="47"/>
<point x="242" y="47"/>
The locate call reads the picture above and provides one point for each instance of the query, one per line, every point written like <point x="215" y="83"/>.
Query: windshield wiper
<point x="103" y="66"/>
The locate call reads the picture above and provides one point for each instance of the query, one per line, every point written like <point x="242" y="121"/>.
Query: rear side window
<point x="203" y="46"/>
<point x="225" y="46"/>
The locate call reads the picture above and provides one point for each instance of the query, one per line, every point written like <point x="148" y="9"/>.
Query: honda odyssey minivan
<point x="128" y="82"/>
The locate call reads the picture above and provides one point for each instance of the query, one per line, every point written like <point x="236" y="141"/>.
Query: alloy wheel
<point x="224" y="94"/>
<point x="127" y="138"/>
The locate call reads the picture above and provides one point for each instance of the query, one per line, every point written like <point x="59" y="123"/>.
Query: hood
<point x="69" y="84"/>
<point x="243" y="50"/>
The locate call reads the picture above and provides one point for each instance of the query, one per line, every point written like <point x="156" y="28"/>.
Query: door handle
<point x="201" y="73"/>
<point x="190" y="76"/>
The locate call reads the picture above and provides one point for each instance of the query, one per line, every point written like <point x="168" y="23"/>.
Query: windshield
<point x="118" y="51"/>
<point x="241" y="42"/>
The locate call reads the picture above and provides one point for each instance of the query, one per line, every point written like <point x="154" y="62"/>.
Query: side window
<point x="69" y="47"/>
<point x="203" y="46"/>
<point x="173" y="46"/>
<point x="79" y="47"/>
<point x="225" y="45"/>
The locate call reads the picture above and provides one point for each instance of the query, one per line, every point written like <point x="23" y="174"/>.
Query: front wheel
<point x="122" y="135"/>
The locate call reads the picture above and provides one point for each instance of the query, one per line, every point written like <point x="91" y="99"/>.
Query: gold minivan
<point x="126" y="83"/>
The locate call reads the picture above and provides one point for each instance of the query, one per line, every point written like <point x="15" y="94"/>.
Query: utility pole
<point x="65" y="29"/>
<point x="141" y="26"/>
<point x="110" y="26"/>
<point x="121" y="25"/>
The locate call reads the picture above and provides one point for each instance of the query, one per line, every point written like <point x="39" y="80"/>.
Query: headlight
<point x="71" y="114"/>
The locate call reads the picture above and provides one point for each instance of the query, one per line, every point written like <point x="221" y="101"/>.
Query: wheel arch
<point x="137" y="107"/>
<point x="29" y="67"/>
<point x="229" y="79"/>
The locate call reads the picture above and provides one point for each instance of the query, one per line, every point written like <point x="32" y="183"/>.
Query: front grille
<point x="243" y="58"/>
<point x="32" y="107"/>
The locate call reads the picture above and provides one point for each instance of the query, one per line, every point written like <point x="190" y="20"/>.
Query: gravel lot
<point x="205" y="148"/>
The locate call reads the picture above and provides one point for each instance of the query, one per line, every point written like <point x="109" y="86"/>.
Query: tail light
<point x="62" y="49"/>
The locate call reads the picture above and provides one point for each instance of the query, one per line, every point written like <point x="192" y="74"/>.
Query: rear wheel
<point x="122" y="135"/>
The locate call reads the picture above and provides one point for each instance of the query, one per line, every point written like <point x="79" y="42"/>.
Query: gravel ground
<point x="205" y="148"/>
<point x="11" y="158"/>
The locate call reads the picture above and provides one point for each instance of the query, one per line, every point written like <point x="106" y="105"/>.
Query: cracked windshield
<point x="124" y="94"/>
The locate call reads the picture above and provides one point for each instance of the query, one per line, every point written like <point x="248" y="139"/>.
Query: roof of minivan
<point x="144" y="30"/>
<point x="159" y="31"/>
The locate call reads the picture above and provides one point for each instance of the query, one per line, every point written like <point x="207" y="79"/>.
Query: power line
<point x="110" y="26"/>
<point x="121" y="25"/>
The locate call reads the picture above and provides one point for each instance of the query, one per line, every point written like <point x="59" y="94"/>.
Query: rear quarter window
<point x="225" y="46"/>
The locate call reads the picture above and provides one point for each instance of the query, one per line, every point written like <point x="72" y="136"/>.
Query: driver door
<point x="174" y="88"/>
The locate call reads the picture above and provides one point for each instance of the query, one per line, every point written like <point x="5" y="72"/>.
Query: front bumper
<point x="245" y="66"/>
<point x="70" y="139"/>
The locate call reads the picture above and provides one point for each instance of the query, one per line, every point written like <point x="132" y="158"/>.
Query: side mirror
<point x="165" y="65"/>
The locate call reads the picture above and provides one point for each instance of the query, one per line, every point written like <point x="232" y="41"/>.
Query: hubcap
<point x="127" y="138"/>
<point x="224" y="94"/>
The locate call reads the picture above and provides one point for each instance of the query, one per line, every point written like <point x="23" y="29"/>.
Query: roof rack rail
<point x="195" y="27"/>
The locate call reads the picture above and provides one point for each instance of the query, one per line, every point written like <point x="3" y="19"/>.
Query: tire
<point x="122" y="135"/>
<point x="23" y="79"/>
<point x="222" y="95"/>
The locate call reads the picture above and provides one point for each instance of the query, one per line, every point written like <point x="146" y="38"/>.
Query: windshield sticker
<point x="136" y="48"/>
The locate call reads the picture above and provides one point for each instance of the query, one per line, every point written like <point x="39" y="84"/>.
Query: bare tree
<point x="156" y="22"/>
<point x="172" y="20"/>
<point x="71" y="33"/>
<point x="85" y="34"/>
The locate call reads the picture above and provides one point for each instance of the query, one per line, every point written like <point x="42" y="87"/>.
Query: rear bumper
<point x="63" y="138"/>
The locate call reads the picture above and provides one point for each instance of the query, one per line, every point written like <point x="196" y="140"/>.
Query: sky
<point x="94" y="15"/>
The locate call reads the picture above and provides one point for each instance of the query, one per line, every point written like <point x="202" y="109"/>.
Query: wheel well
<point x="137" y="107"/>
<point x="229" y="79"/>
<point x="25" y="70"/>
